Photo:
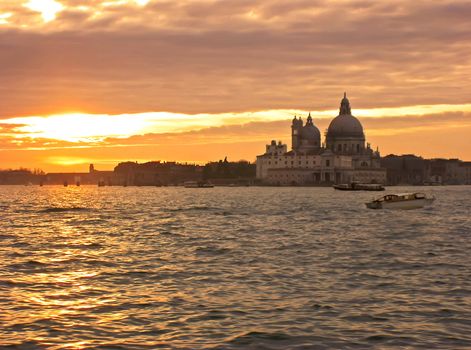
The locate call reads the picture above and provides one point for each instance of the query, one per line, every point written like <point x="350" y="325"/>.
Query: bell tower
<point x="296" y="128"/>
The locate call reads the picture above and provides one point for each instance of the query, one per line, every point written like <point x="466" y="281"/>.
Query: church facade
<point x="345" y="156"/>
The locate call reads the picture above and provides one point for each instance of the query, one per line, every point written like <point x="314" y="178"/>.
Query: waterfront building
<point x="409" y="169"/>
<point x="93" y="177"/>
<point x="344" y="157"/>
<point x="157" y="173"/>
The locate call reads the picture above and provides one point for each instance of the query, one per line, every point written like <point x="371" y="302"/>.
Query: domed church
<point x="345" y="132"/>
<point x="343" y="158"/>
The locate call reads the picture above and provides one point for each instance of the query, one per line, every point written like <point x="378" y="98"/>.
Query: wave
<point x="193" y="208"/>
<point x="211" y="250"/>
<point x="250" y="338"/>
<point x="63" y="209"/>
<point x="27" y="265"/>
<point x="78" y="246"/>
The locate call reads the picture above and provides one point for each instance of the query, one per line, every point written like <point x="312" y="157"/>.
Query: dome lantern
<point x="345" y="105"/>
<point x="309" y="120"/>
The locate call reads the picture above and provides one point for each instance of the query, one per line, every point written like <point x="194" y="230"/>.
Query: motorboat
<point x="401" y="201"/>
<point x="355" y="186"/>
<point x="198" y="184"/>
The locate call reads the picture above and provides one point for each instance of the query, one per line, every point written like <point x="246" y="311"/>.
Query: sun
<point x="47" y="8"/>
<point x="79" y="127"/>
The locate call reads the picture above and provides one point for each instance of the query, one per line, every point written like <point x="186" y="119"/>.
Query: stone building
<point x="157" y="173"/>
<point x="345" y="157"/>
<point x="450" y="171"/>
<point x="409" y="169"/>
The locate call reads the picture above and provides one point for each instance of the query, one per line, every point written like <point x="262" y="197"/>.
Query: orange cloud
<point x="205" y="65"/>
<point x="445" y="135"/>
<point x="117" y="57"/>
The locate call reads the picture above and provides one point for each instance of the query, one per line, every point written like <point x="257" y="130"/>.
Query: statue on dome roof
<point x="345" y="106"/>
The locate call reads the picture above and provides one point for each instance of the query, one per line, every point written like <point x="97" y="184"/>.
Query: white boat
<point x="401" y="201"/>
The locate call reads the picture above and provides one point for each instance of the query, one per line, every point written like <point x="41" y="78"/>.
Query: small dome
<point x="310" y="133"/>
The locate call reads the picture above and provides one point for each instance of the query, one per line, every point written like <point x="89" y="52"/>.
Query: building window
<point x="327" y="163"/>
<point x="339" y="148"/>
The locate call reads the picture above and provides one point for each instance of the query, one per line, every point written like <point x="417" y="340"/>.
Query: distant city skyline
<point x="197" y="80"/>
<point x="72" y="152"/>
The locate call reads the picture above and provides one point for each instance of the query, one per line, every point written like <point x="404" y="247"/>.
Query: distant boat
<point x="355" y="186"/>
<point x="401" y="201"/>
<point x="198" y="184"/>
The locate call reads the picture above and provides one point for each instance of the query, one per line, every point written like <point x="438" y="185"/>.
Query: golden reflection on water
<point x="133" y="266"/>
<point x="68" y="288"/>
<point x="65" y="292"/>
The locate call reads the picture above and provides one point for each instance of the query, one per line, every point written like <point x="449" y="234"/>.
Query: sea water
<point x="232" y="268"/>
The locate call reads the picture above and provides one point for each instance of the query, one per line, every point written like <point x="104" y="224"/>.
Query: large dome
<point x="345" y="124"/>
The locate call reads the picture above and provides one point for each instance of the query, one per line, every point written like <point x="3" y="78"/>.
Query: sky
<point x="104" y="81"/>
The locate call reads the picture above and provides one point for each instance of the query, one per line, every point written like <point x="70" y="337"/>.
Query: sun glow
<point x="96" y="128"/>
<point x="79" y="127"/>
<point x="47" y="8"/>
<point x="67" y="161"/>
<point x="4" y="17"/>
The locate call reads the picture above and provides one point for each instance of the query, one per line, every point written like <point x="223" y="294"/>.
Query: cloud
<point x="438" y="135"/>
<point x="256" y="132"/>
<point x="9" y="128"/>
<point x="220" y="56"/>
<point x="214" y="58"/>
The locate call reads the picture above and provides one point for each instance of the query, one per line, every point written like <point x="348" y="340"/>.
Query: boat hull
<point x="406" y="205"/>
<point x="359" y="187"/>
<point x="199" y="184"/>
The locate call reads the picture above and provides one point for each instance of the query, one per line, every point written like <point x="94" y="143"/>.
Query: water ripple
<point x="231" y="268"/>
